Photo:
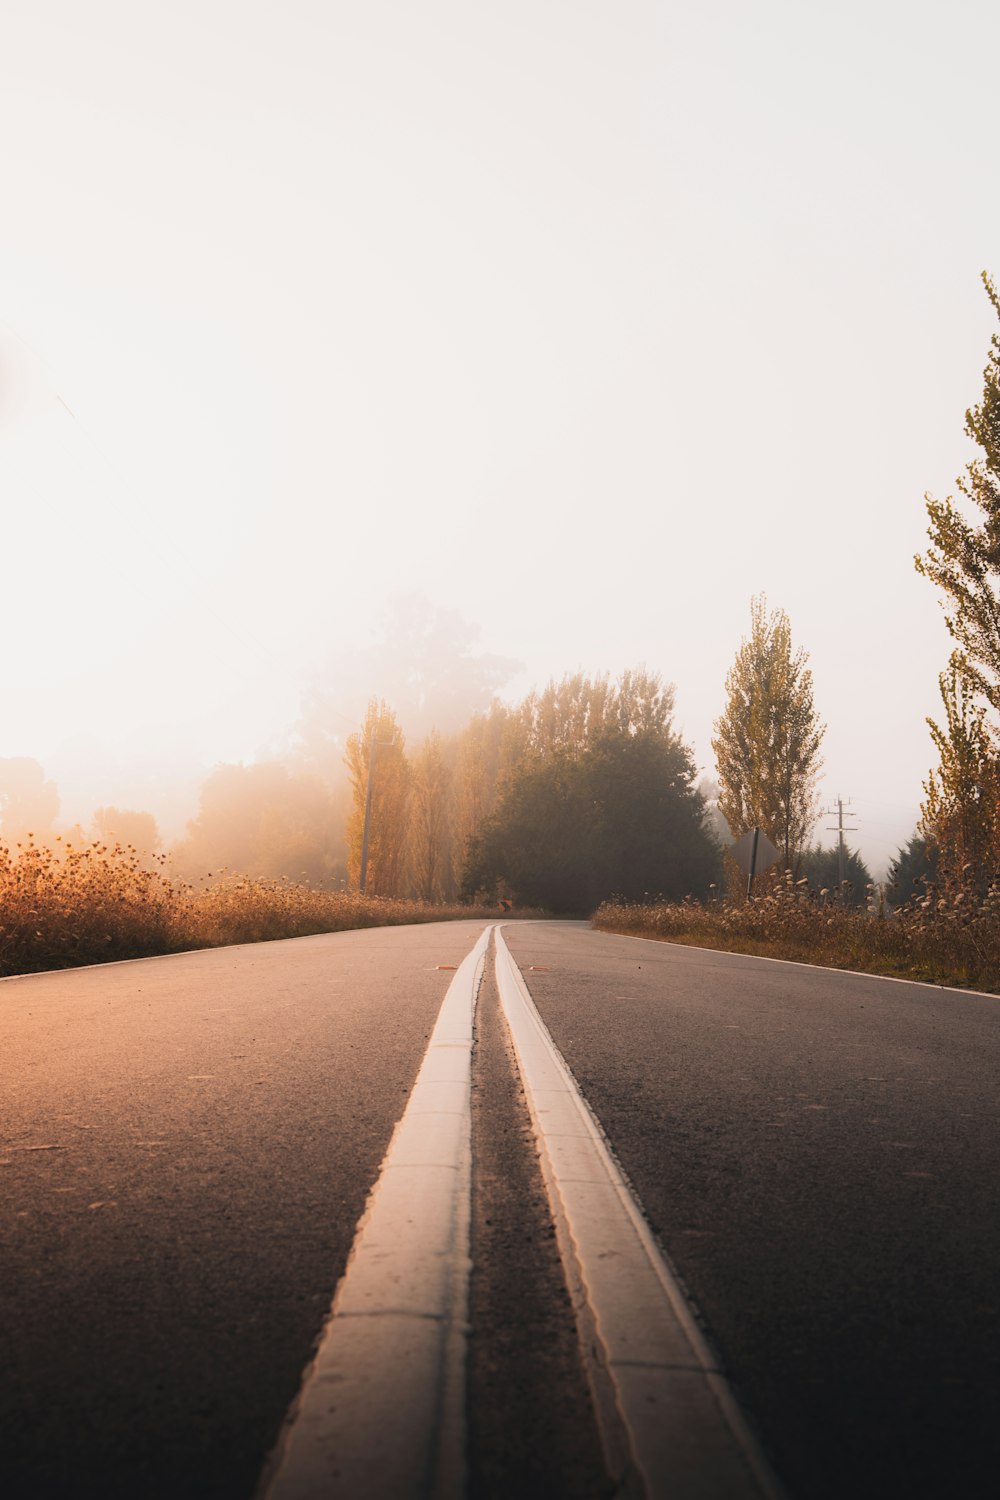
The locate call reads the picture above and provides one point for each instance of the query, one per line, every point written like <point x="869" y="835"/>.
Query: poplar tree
<point x="768" y="739"/>
<point x="430" y="821"/>
<point x="964" y="556"/>
<point x="389" y="823"/>
<point x="960" y="812"/>
<point x="961" y="809"/>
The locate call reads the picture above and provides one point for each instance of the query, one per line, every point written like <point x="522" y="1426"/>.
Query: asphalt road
<point x="186" y="1145"/>
<point x="818" y="1153"/>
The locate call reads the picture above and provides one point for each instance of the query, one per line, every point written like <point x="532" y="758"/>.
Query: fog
<point x="427" y="352"/>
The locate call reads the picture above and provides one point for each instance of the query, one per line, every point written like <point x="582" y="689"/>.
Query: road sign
<point x="743" y="851"/>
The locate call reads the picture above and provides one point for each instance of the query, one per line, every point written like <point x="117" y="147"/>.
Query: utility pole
<point x="386" y="744"/>
<point x="840" y="830"/>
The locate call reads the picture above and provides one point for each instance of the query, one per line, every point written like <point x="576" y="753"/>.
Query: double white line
<point x="381" y="1410"/>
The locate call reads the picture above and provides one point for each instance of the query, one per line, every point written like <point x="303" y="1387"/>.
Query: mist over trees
<point x="28" y="802"/>
<point x="600" y="801"/>
<point x="119" y="825"/>
<point x="379" y="752"/>
<point x="264" y="820"/>
<point x="422" y="660"/>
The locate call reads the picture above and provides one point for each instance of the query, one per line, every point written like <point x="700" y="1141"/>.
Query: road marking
<point x="798" y="963"/>
<point x="669" y="1422"/>
<point x="381" y="1411"/>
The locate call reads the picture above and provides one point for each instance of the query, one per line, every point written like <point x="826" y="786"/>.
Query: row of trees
<point x="768" y="739"/>
<point x="581" y="791"/>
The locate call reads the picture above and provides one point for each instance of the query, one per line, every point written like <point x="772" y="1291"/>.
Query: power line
<point x="838" y="813"/>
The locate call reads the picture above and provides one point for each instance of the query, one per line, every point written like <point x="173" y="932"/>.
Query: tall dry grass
<point x="70" y="905"/>
<point x="944" y="938"/>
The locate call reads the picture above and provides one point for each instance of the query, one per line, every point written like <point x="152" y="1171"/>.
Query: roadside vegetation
<point x="941" y="938"/>
<point x="70" y="905"/>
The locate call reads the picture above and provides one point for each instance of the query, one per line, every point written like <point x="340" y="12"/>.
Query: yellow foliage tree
<point x="430" y="822"/>
<point x="961" y="808"/>
<point x="378" y="753"/>
<point x="767" y="740"/>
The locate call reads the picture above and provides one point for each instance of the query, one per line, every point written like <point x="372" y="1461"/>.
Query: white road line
<point x="798" y="963"/>
<point x="381" y="1412"/>
<point x="670" y="1424"/>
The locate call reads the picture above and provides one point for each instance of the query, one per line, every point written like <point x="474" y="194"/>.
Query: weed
<point x="95" y="903"/>
<point x="943" y="938"/>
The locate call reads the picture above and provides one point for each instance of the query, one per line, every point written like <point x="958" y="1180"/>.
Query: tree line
<point x="585" y="789"/>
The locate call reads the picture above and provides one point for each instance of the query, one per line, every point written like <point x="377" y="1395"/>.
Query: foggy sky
<point x="586" y="322"/>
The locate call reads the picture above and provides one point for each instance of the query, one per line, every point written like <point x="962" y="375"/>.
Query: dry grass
<point x="943" y="939"/>
<point x="97" y="903"/>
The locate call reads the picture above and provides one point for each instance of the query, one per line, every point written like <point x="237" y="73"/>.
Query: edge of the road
<point x="795" y="963"/>
<point x="382" y="1405"/>
<point x="299" y="937"/>
<point x="670" y="1423"/>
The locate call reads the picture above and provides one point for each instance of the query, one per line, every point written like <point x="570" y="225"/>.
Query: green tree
<point x="821" y="867"/>
<point x="390" y="804"/>
<point x="964" y="555"/>
<point x="912" y="870"/>
<point x="768" y="738"/>
<point x="620" y="817"/>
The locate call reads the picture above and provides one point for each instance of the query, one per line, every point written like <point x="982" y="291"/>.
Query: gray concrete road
<point x="186" y="1145"/>
<point x="819" y="1154"/>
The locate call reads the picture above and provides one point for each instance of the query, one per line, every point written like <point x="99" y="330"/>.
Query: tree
<point x="118" y="825"/>
<point x="422" y="659"/>
<point x="964" y="556"/>
<point x="430" y="822"/>
<point x="961" y="808"/>
<point x="486" y="753"/>
<point x="821" y="867"/>
<point x="620" y="817"/>
<point x="264" y="820"/>
<point x="571" y="714"/>
<point x="768" y="739"/>
<point x="28" y="803"/>
<point x="390" y="802"/>
<point x="912" y="870"/>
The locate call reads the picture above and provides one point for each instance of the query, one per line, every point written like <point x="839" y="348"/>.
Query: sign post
<point x="754" y="853"/>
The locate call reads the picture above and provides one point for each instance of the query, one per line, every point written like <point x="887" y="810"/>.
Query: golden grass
<point x="97" y="903"/>
<point x="942" y="939"/>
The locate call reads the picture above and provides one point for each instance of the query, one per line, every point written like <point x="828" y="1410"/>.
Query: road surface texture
<point x="819" y="1153"/>
<point x="187" y="1146"/>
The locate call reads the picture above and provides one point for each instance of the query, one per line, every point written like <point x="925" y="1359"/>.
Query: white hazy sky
<point x="586" y="320"/>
